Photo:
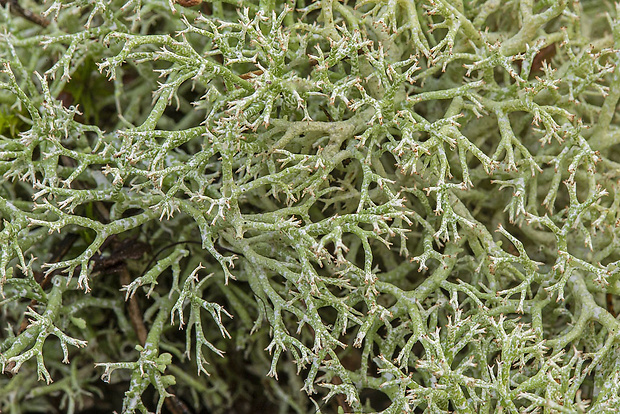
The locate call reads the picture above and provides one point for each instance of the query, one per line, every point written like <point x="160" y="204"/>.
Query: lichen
<point x="390" y="205"/>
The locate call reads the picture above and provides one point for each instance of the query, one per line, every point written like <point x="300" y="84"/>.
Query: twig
<point x="26" y="14"/>
<point x="174" y="404"/>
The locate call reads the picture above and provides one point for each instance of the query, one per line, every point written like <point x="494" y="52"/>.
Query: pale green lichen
<point x="397" y="206"/>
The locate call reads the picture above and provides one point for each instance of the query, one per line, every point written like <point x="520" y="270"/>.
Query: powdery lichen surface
<point x="396" y="206"/>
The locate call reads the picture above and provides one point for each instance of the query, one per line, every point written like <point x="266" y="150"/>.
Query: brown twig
<point x="133" y="308"/>
<point x="173" y="404"/>
<point x="610" y="305"/>
<point x="26" y="14"/>
<point x="188" y="3"/>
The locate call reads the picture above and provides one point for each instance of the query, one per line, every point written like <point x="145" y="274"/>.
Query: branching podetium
<point x="309" y="206"/>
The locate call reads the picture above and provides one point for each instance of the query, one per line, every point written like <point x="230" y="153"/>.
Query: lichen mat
<point x="309" y="206"/>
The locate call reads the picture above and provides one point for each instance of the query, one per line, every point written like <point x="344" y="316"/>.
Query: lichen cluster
<point x="395" y="206"/>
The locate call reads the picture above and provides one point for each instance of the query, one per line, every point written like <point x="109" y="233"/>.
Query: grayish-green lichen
<point x="390" y="205"/>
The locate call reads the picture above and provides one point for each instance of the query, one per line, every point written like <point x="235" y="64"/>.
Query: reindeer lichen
<point x="310" y="206"/>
